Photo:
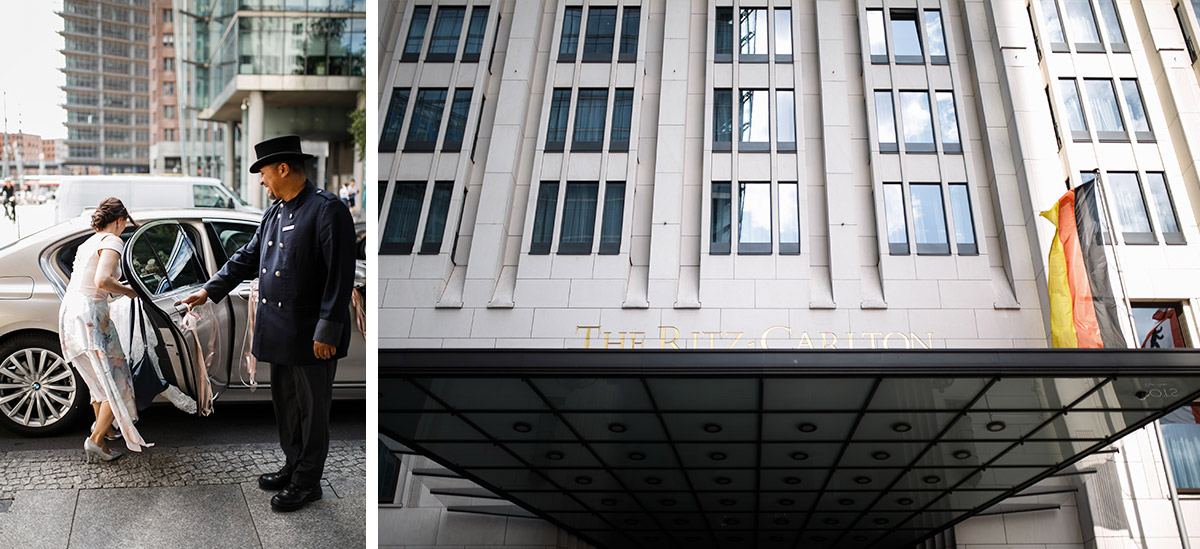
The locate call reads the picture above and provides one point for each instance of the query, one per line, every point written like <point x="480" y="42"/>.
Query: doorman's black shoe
<point x="293" y="498"/>
<point x="275" y="481"/>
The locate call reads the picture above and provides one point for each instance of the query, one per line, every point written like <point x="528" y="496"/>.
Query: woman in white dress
<point x="89" y="336"/>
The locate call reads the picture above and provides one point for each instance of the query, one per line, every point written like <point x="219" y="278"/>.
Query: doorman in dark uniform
<point x="303" y="255"/>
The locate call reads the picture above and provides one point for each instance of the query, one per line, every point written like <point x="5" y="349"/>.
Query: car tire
<point x="16" y="379"/>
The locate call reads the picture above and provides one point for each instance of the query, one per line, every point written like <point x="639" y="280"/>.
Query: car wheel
<point x="40" y="393"/>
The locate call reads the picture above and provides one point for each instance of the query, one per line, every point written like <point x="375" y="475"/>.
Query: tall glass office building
<point x="768" y="274"/>
<point x="277" y="67"/>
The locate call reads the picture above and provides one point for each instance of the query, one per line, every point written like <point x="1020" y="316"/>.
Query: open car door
<point x="163" y="266"/>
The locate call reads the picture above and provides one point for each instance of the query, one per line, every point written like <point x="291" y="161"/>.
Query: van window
<point x="211" y="196"/>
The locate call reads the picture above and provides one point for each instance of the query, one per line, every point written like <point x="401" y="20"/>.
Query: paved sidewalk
<point x="176" y="497"/>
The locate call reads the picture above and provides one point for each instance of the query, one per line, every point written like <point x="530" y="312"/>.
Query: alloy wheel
<point x="37" y="387"/>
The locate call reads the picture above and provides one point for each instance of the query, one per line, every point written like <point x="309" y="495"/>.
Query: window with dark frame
<point x="964" y="224"/>
<point x="885" y="122"/>
<point x="1074" y="110"/>
<point x="1112" y="26"/>
<point x="917" y="122"/>
<point x="906" y="38"/>
<point x="568" y="44"/>
<point x="1054" y="28"/>
<point x="416" y="34"/>
<point x="475" y="31"/>
<point x="1037" y="41"/>
<point x="895" y="215"/>
<point x="435" y="221"/>
<point x="622" y="117"/>
<point x="929" y="219"/>
<point x="456" y="124"/>
<point x="394" y="121"/>
<point x="936" y="36"/>
<point x="948" y="122"/>
<point x="590" y="110"/>
<point x="1105" y="114"/>
<point x="556" y="129"/>
<point x="631" y="19"/>
<point x="1054" y="119"/>
<point x="785" y="120"/>
<point x="400" y="231"/>
<point x="754" y="121"/>
<point x="752" y="35"/>
<point x="578" y="218"/>
<point x="613" y="218"/>
<point x="721" y="224"/>
<point x="1139" y="123"/>
<point x="1081" y="26"/>
<point x="789" y="219"/>
<point x="1133" y="220"/>
<point x="877" y="34"/>
<point x="722" y="120"/>
<point x="543" y="218"/>
<point x="598" y="38"/>
<point x="1188" y="39"/>
<point x="783" y="35"/>
<point x="447" y="27"/>
<point x="1164" y="208"/>
<point x="426" y="120"/>
<point x="754" y="218"/>
<point x="723" y="36"/>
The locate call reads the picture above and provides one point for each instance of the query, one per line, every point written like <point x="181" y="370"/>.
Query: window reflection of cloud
<point x="917" y="124"/>
<point x="755" y="222"/>
<point x="755" y="116"/>
<point x="947" y="118"/>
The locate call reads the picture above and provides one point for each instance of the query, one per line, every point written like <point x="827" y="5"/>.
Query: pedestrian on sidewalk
<point x="303" y="254"/>
<point x="89" y="337"/>
<point x="8" y="199"/>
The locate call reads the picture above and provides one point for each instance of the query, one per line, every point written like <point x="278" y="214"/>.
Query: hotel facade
<point x="773" y="274"/>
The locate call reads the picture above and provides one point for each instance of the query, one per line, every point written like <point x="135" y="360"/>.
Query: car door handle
<point x="181" y="309"/>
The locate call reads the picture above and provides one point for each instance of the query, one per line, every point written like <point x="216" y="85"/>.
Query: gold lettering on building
<point x="773" y="337"/>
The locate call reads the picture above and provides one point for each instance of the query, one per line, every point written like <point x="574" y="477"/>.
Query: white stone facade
<point x="667" y="287"/>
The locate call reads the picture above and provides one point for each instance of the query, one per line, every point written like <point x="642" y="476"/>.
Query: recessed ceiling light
<point x="631" y="522"/>
<point x="862" y="480"/>
<point x="583" y="480"/>
<point x="712" y="428"/>
<point x="653" y="481"/>
<point x="962" y="454"/>
<point x="782" y="522"/>
<point x="728" y="502"/>
<point x="881" y="521"/>
<point x="717" y="456"/>
<point x="932" y="479"/>
<point x="845" y="501"/>
<point x="786" y="502"/>
<point x="555" y="455"/>
<point x="616" y="427"/>
<point x="901" y="427"/>
<point x="1141" y="395"/>
<point x="881" y="455"/>
<point x="723" y="480"/>
<point x="996" y="426"/>
<point x="905" y="501"/>
<point x="799" y="456"/>
<point x="522" y="427"/>
<point x="791" y="480"/>
<point x="831" y="521"/>
<point x="608" y="502"/>
<point x="806" y="427"/>
<point x="667" y="503"/>
<point x="637" y="456"/>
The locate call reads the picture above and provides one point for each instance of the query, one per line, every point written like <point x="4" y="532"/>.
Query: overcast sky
<point x="29" y="66"/>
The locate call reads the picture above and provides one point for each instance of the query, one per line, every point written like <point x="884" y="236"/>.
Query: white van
<point x="84" y="192"/>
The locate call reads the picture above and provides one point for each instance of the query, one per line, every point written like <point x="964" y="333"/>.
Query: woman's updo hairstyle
<point x="109" y="210"/>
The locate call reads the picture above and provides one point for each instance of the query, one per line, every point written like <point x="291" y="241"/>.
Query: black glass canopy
<point x="770" y="449"/>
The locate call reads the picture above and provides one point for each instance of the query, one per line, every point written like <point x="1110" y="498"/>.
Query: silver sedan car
<point x="169" y="256"/>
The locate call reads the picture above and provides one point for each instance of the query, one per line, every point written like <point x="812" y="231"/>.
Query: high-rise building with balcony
<point x="266" y="68"/>
<point x="767" y="274"/>
<point x="107" y="52"/>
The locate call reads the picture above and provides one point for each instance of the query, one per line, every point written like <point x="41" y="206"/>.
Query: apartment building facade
<point x="772" y="274"/>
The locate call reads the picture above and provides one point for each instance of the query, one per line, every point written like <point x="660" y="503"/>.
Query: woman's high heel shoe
<point x="93" y="450"/>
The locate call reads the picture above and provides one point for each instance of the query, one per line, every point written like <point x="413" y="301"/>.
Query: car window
<point x="210" y="196"/>
<point x="165" y="260"/>
<point x="66" y="255"/>
<point x="228" y="237"/>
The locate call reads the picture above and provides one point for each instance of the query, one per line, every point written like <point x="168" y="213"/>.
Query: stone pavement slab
<point x="338" y="519"/>
<point x="38" y="519"/>
<point x="177" y="517"/>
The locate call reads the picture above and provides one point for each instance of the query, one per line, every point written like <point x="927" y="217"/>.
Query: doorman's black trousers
<point x="302" y="396"/>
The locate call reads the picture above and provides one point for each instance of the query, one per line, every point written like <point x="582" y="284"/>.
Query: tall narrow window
<point x="568" y="44"/>
<point x="936" y="37"/>
<point x="395" y="120"/>
<point x="631" y="19"/>
<point x="1081" y="26"/>
<point x="1074" y="110"/>
<point x="785" y="122"/>
<point x="1132" y="219"/>
<point x="1101" y="213"/>
<point x="1102" y="102"/>
<point x="723" y="36"/>
<point x="556" y="130"/>
<point x="917" y="122"/>
<point x="446" y="30"/>
<point x="416" y="34"/>
<point x="897" y="220"/>
<point x="1112" y="26"/>
<point x="475" y="32"/>
<point x="1053" y="118"/>
<point x="426" y="120"/>
<point x="383" y="185"/>
<point x="601" y="29"/>
<point x="1137" y="111"/>
<point x="589" y="120"/>
<point x="1164" y="207"/>
<point x="754" y="218"/>
<point x="964" y="225"/>
<point x="721" y="225"/>
<point x="456" y="126"/>
<point x="614" y="215"/>
<point x="579" y="219"/>
<point x="1037" y="42"/>
<point x="929" y="219"/>
<point x="1188" y="40"/>
<point x="722" y="120"/>
<point x="905" y="38"/>
<point x="754" y="121"/>
<point x="783" y="36"/>
<point x="622" y="117"/>
<point x="752" y="30"/>
<point x="401" y="230"/>
<point x="435" y="221"/>
<point x="1054" y="28"/>
<point x="878" y="36"/>
<point x="789" y="219"/>
<point x="948" y="121"/>
<point x="885" y="122"/>
<point x="543" y="218"/>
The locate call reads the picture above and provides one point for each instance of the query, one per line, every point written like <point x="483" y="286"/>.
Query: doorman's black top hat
<point x="278" y="149"/>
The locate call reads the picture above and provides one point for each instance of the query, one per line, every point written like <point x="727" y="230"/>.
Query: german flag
<point x="1083" y="310"/>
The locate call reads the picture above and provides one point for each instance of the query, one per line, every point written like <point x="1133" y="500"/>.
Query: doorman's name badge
<point x="289" y="227"/>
